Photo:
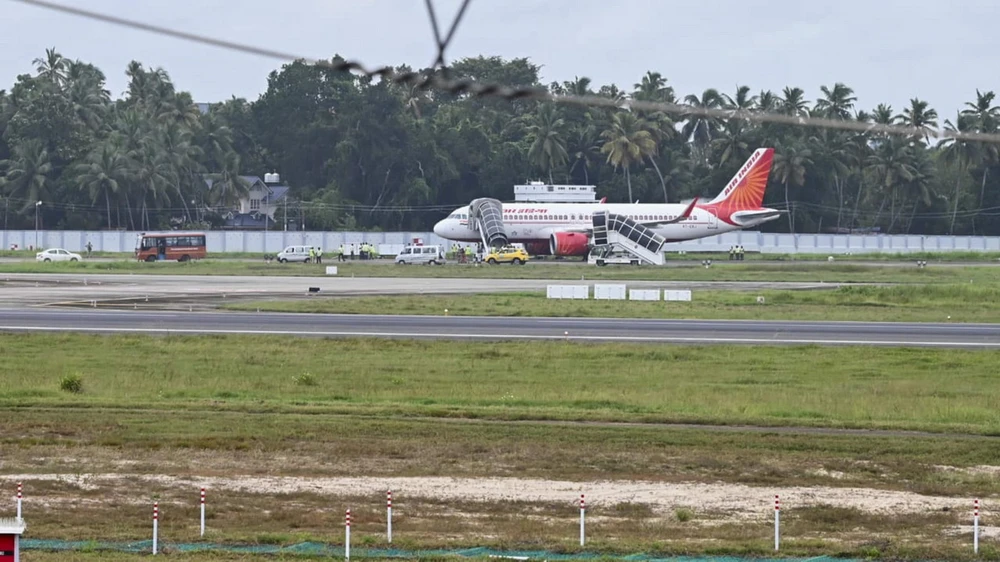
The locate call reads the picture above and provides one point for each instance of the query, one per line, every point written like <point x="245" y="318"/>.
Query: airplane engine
<point x="569" y="244"/>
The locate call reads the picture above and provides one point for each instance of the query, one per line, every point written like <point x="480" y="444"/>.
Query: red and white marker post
<point x="156" y="522"/>
<point x="975" y="528"/>
<point x="347" y="533"/>
<point x="19" y="487"/>
<point x="203" y="512"/>
<point x="583" y="509"/>
<point x="388" y="517"/>
<point x="777" y="510"/>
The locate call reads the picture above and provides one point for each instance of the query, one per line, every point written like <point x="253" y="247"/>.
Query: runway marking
<point x="648" y="322"/>
<point x="661" y="339"/>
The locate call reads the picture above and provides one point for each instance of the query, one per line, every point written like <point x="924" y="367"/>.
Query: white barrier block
<point x="644" y="294"/>
<point x="609" y="292"/>
<point x="331" y="270"/>
<point x="567" y="291"/>
<point x="677" y="295"/>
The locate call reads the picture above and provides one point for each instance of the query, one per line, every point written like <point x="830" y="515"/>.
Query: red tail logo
<point x="746" y="190"/>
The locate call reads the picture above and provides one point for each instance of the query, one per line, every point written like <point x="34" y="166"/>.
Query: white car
<point x="433" y="255"/>
<point x="57" y="254"/>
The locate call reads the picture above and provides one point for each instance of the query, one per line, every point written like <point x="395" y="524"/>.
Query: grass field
<point x="900" y="303"/>
<point x="938" y="390"/>
<point x="724" y="271"/>
<point x="128" y="419"/>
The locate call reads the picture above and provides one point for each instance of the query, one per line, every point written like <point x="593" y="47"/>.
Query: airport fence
<point x="273" y="242"/>
<point x="156" y="546"/>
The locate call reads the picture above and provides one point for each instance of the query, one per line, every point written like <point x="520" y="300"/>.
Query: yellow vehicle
<point x="514" y="255"/>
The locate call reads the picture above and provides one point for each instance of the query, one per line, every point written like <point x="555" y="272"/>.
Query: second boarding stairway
<point x="486" y="218"/>
<point x="623" y="232"/>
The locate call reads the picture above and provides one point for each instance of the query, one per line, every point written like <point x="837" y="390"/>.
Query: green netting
<point x="322" y="549"/>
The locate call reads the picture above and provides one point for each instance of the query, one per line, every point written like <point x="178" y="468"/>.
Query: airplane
<point x="566" y="229"/>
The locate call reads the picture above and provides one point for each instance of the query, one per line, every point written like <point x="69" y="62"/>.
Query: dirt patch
<point x="734" y="500"/>
<point x="982" y="470"/>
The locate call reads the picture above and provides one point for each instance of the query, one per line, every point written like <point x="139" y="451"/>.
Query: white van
<point x="433" y="255"/>
<point x="294" y="254"/>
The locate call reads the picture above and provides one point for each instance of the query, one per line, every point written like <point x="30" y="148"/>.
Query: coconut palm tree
<point x="789" y="168"/>
<point x="102" y="175"/>
<point x="700" y="128"/>
<point x="961" y="153"/>
<point x="548" y="142"/>
<point x="793" y="102"/>
<point x="836" y="103"/>
<point x="584" y="148"/>
<point x="27" y="173"/>
<point x="987" y="120"/>
<point x="627" y="142"/>
<point x="653" y="87"/>
<point x="52" y="68"/>
<point x="892" y="165"/>
<point x="921" y="117"/>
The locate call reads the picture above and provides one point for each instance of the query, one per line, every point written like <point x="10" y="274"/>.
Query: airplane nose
<point x="439" y="228"/>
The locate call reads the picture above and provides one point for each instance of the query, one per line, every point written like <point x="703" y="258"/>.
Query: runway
<point x="480" y="328"/>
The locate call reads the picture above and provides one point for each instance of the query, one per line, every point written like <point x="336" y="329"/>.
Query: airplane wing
<point x="679" y="218"/>
<point x="589" y="230"/>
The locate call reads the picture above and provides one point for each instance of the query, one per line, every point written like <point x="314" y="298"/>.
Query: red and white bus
<point x="179" y="246"/>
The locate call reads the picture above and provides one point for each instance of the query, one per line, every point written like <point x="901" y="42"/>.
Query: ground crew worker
<point x="468" y="254"/>
<point x="732" y="253"/>
<point x="312" y="254"/>
<point x="739" y="252"/>
<point x="319" y="255"/>
<point x="340" y="253"/>
<point x="90" y="248"/>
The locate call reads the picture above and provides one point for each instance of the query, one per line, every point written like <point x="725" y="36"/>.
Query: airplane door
<point x="713" y="220"/>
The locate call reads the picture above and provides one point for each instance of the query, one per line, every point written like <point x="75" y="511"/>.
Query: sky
<point x="886" y="50"/>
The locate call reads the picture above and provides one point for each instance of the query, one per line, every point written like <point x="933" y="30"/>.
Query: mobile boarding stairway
<point x="616" y="230"/>
<point x="486" y="218"/>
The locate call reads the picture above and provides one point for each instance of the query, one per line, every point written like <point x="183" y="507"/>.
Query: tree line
<point x="365" y="154"/>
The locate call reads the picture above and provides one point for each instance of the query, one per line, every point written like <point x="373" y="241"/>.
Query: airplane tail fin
<point x="746" y="189"/>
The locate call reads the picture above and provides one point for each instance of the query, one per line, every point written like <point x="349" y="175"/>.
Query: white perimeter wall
<point x="224" y="241"/>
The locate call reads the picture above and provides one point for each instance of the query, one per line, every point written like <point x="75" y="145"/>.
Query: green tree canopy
<point x="361" y="153"/>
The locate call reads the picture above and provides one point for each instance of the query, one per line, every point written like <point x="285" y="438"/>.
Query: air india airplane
<point x="566" y="229"/>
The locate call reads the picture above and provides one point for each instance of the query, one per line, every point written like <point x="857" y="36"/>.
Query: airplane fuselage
<point x="567" y="228"/>
<point x="526" y="222"/>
